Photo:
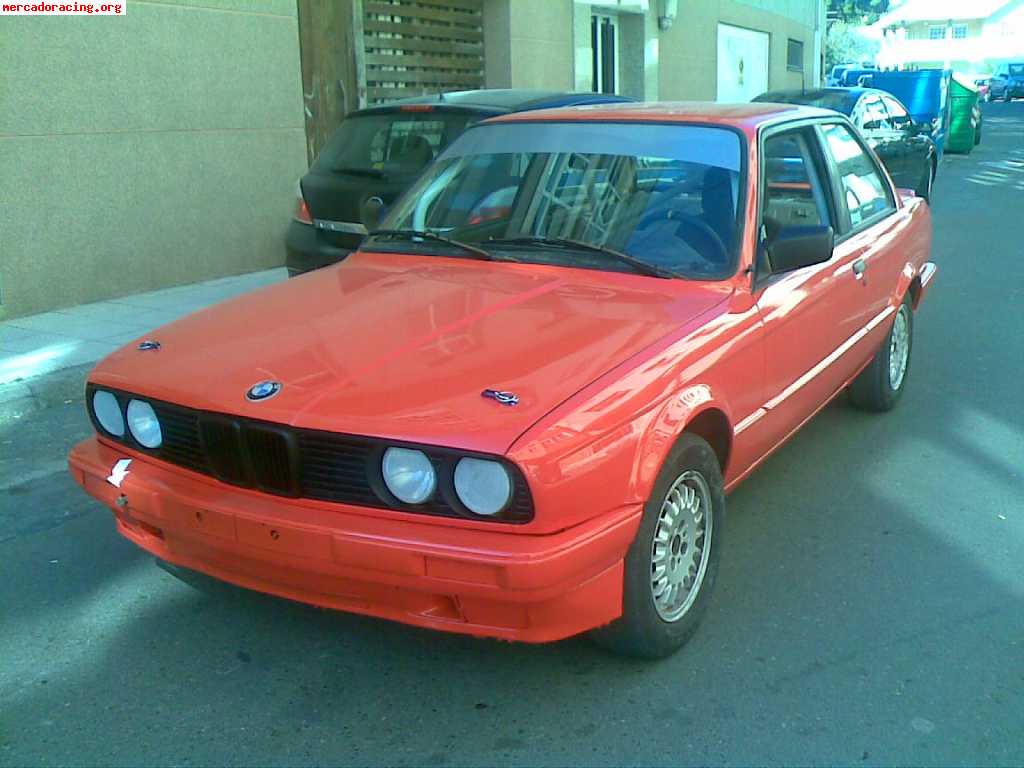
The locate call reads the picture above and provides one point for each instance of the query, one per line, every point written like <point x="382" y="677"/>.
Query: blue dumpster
<point x="925" y="93"/>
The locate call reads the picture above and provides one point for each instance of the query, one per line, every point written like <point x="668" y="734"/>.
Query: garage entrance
<point x="742" y="63"/>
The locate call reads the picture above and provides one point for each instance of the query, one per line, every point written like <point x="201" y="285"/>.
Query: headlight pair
<point x="483" y="486"/>
<point x="139" y="416"/>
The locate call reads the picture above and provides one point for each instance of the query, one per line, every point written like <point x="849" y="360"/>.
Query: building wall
<point x="991" y="40"/>
<point x="528" y="44"/>
<point x="142" y="151"/>
<point x="920" y="30"/>
<point x="637" y="71"/>
<point x="546" y="44"/>
<point x="688" y="51"/>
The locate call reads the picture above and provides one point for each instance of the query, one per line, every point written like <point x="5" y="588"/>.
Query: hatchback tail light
<point x="302" y="213"/>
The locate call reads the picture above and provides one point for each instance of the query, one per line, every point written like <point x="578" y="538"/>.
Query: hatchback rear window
<point x="391" y="143"/>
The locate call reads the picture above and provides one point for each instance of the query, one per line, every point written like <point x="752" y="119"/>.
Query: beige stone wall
<point x="148" y="150"/>
<point x="529" y="44"/>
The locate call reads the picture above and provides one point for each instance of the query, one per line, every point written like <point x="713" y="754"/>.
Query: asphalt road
<point x="869" y="610"/>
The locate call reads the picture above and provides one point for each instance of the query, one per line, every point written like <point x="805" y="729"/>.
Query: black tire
<point x="873" y="389"/>
<point x="641" y="631"/>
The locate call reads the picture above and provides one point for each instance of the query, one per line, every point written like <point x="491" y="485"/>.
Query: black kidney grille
<point x="288" y="461"/>
<point x="273" y="458"/>
<point x="221" y="440"/>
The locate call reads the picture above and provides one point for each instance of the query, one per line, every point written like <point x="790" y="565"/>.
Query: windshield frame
<point x="742" y="202"/>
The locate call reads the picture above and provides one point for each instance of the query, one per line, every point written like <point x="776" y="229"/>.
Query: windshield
<point x="390" y="143"/>
<point x="1016" y="70"/>
<point x="571" y="193"/>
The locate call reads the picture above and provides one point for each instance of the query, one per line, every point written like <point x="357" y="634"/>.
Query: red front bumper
<point x="489" y="583"/>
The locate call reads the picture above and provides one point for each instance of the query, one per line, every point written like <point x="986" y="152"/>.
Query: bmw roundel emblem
<point x="263" y="390"/>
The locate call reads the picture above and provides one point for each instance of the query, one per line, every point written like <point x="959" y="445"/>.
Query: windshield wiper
<point x="374" y="173"/>
<point x="419" y="234"/>
<point x="565" y="242"/>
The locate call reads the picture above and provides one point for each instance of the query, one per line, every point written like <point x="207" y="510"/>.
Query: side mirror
<point x="370" y="213"/>
<point x="795" y="247"/>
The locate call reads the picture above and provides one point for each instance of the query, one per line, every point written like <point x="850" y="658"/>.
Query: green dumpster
<point x="964" y="116"/>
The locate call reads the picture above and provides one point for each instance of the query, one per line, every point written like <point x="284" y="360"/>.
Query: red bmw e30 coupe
<point x="516" y="411"/>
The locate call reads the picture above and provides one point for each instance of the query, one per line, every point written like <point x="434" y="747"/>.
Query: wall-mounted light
<point x="669" y="9"/>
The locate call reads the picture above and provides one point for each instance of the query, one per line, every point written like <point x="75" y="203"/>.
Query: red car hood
<point x="402" y="346"/>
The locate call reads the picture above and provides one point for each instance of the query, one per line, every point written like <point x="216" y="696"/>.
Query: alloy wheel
<point x="681" y="546"/>
<point x="899" y="348"/>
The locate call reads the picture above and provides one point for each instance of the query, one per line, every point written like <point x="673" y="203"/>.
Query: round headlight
<point x="143" y="423"/>
<point x="108" y="412"/>
<point x="483" y="486"/>
<point x="409" y="475"/>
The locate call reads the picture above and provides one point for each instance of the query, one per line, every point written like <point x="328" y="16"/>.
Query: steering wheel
<point x="719" y="253"/>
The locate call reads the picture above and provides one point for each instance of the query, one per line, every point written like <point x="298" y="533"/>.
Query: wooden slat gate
<point x="412" y="47"/>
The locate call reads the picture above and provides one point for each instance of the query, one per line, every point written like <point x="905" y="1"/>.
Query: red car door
<point x="811" y="315"/>
<point x="868" y="244"/>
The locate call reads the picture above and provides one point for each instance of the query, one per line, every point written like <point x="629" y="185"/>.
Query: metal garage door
<point x="742" y="63"/>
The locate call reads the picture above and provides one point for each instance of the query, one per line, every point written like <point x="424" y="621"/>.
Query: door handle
<point x="859" y="268"/>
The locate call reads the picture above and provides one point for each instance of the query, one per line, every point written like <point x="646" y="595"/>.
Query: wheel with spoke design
<point x="670" y="567"/>
<point x="899" y="348"/>
<point x="879" y="386"/>
<point x="679" y="557"/>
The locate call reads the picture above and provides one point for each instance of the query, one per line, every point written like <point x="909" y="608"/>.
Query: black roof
<point x="837" y="99"/>
<point x="498" y="101"/>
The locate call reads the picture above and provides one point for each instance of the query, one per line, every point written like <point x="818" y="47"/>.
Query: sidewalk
<point x="38" y="344"/>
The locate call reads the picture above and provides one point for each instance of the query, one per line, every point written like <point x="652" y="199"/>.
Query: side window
<point x="875" y="116"/>
<point x="900" y="118"/>
<point x="793" y="194"/>
<point x="865" y="194"/>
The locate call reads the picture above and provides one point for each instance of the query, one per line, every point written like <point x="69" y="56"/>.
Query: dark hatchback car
<point x="1008" y="82"/>
<point x="905" y="147"/>
<point x="380" y="151"/>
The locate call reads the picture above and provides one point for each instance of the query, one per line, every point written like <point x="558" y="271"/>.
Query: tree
<point x="845" y="43"/>
<point x="856" y="11"/>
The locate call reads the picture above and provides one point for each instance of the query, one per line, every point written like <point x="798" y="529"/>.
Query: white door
<point x="742" y="63"/>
